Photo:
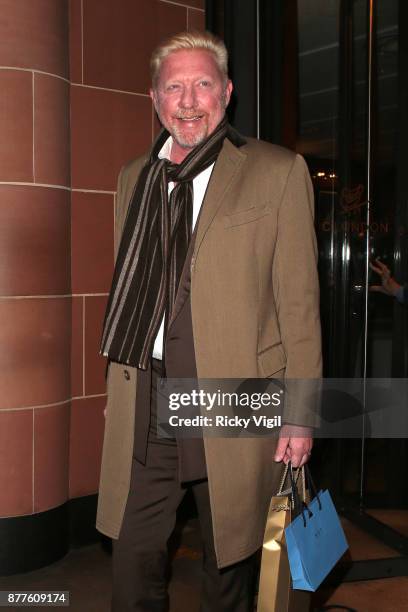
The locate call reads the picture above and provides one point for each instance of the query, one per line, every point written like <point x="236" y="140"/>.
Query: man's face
<point x="191" y="96"/>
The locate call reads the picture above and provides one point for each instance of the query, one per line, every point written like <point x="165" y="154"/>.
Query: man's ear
<point x="228" y="91"/>
<point x="153" y="96"/>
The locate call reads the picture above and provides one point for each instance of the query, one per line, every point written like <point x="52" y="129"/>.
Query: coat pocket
<point x="246" y="216"/>
<point x="272" y="361"/>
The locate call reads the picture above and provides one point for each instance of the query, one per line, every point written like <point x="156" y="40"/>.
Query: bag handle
<point x="299" y="506"/>
<point x="288" y="491"/>
<point x="310" y="484"/>
<point x="291" y="492"/>
<point x="281" y="492"/>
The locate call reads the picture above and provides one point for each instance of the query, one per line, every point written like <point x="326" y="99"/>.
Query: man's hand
<point x="294" y="444"/>
<point x="389" y="285"/>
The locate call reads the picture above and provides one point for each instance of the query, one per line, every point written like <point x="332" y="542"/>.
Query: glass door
<point x="345" y="64"/>
<point x="350" y="103"/>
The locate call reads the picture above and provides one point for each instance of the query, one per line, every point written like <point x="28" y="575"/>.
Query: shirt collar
<point x="165" y="151"/>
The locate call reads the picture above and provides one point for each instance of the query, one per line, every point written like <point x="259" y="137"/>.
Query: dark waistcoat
<point x="180" y="363"/>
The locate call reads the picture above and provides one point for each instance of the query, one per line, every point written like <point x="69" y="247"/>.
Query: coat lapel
<point x="184" y="286"/>
<point x="226" y="168"/>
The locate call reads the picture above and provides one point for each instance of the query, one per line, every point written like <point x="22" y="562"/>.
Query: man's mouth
<point x="192" y="118"/>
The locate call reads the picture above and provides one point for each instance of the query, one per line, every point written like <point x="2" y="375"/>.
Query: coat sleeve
<point x="296" y="289"/>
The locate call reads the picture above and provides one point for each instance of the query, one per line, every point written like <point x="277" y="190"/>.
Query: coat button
<point x="126" y="374"/>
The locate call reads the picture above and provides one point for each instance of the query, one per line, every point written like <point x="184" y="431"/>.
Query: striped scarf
<point x="153" y="249"/>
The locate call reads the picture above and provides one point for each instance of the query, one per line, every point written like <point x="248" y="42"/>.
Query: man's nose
<point x="188" y="97"/>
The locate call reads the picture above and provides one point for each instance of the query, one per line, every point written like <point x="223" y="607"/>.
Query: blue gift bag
<point x="315" y="542"/>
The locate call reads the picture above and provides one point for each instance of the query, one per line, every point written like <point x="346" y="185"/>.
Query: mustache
<point x="188" y="114"/>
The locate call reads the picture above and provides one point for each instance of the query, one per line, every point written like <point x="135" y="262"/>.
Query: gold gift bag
<point x="275" y="589"/>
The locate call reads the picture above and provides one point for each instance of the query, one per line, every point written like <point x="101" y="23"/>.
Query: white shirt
<point x="200" y="183"/>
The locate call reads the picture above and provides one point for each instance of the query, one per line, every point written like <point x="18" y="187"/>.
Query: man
<point x="389" y="286"/>
<point x="236" y="299"/>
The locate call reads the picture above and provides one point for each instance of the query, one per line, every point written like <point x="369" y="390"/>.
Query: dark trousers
<point x="140" y="557"/>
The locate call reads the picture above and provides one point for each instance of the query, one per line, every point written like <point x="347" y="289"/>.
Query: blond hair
<point x="189" y="41"/>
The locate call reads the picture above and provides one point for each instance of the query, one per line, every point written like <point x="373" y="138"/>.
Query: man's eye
<point x="172" y="87"/>
<point x="205" y="83"/>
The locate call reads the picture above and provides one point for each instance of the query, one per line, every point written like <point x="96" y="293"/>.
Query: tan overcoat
<point x="255" y="313"/>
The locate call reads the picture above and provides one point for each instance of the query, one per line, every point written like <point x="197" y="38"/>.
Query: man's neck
<point x="178" y="154"/>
